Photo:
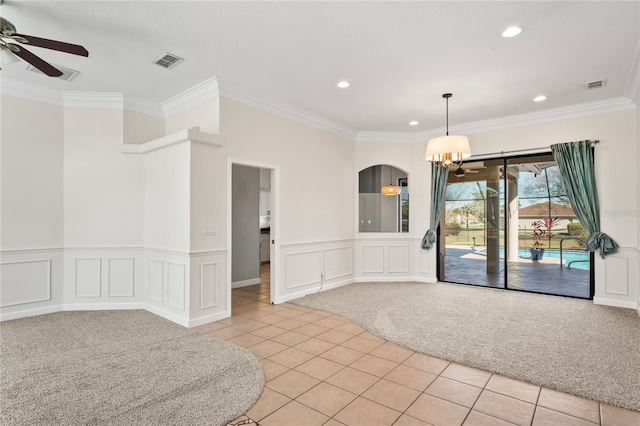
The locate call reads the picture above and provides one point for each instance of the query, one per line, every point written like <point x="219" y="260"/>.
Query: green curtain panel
<point x="575" y="162"/>
<point x="438" y="197"/>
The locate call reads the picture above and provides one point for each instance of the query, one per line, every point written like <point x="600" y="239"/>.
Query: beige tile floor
<point x="322" y="369"/>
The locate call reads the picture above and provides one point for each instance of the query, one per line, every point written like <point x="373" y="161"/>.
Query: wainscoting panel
<point x="617" y="279"/>
<point x="208" y="284"/>
<point x="616" y="276"/>
<point x="176" y="285"/>
<point x="425" y="257"/>
<point x="88" y="277"/>
<point x="31" y="282"/>
<point x="104" y="278"/>
<point x="306" y="268"/>
<point x="338" y="263"/>
<point x="25" y="282"/>
<point x="398" y="259"/>
<point x="373" y="259"/>
<point x="391" y="257"/>
<point x="302" y="269"/>
<point x="169" y="284"/>
<point x="209" y="292"/>
<point x="121" y="277"/>
<point x="156" y="279"/>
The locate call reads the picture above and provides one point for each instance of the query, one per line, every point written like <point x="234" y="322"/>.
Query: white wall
<point x="31" y="207"/>
<point x="103" y="212"/>
<point x="314" y="195"/>
<point x="245" y="241"/>
<point x="32" y="174"/>
<point x="206" y="116"/>
<point x="317" y="184"/>
<point x="103" y="206"/>
<point x="166" y="198"/>
<point x="617" y="277"/>
<point x="140" y="128"/>
<point x="396" y="256"/>
<point x="208" y="195"/>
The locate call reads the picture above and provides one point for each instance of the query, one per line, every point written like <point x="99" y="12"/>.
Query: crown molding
<point x="238" y="94"/>
<point x="105" y="100"/>
<point x="19" y="89"/>
<point x="549" y="115"/>
<point x="400" y="137"/>
<point x="555" y="114"/>
<point x="191" y="97"/>
<point x="632" y="89"/>
<point x="214" y="87"/>
<point x="143" y="106"/>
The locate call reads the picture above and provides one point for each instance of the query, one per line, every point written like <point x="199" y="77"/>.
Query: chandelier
<point x="448" y="149"/>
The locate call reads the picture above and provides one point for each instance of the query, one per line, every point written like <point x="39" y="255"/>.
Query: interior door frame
<point x="274" y="250"/>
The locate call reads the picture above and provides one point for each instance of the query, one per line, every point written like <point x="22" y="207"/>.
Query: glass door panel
<point x="547" y="252"/>
<point x="473" y="228"/>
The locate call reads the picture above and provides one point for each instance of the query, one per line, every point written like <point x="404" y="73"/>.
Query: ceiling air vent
<point x="168" y="60"/>
<point x="67" y="73"/>
<point x="596" y="84"/>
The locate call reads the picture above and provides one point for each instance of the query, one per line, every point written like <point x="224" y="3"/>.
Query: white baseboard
<point x="206" y="319"/>
<point x="302" y="293"/>
<point x="115" y="307"/>
<point x="616" y="303"/>
<point x="30" y="312"/>
<point x="103" y="306"/>
<point x="245" y="283"/>
<point x="384" y="279"/>
<point x="167" y="315"/>
<point x="429" y="280"/>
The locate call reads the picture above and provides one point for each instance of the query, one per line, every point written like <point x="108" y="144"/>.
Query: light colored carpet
<point x="121" y="367"/>
<point x="565" y="344"/>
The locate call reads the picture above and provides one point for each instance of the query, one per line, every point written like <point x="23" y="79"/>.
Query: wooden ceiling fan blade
<point x="34" y="60"/>
<point x="74" y="49"/>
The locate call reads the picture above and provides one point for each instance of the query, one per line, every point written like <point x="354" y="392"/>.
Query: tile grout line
<point x="345" y="321"/>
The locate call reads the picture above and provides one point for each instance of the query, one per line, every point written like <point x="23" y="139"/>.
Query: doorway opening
<point x="252" y="236"/>
<point x="509" y="224"/>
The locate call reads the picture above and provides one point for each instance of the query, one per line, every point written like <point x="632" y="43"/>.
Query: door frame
<point x="274" y="250"/>
<point x="440" y="270"/>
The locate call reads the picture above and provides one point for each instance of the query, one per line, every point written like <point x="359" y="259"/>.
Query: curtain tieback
<point x="429" y="239"/>
<point x="600" y="240"/>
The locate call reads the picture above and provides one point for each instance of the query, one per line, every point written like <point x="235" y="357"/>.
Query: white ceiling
<point x="400" y="57"/>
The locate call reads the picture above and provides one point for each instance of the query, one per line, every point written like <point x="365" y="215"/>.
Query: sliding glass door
<point x="508" y="224"/>
<point x="473" y="227"/>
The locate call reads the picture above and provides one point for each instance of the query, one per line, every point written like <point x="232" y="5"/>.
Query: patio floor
<point x="467" y="265"/>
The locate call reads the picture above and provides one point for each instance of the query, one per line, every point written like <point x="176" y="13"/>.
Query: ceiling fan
<point x="461" y="172"/>
<point x="9" y="34"/>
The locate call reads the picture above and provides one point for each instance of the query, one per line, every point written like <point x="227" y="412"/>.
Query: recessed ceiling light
<point x="413" y="123"/>
<point x="539" y="98"/>
<point x="343" y="84"/>
<point x="511" y="32"/>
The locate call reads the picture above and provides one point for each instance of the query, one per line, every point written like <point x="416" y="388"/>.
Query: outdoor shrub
<point x="576" y="230"/>
<point x="453" y="228"/>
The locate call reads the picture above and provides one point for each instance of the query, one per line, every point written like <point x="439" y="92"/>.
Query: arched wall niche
<point x="378" y="212"/>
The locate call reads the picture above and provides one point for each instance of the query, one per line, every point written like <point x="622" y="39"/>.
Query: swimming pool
<point x="567" y="256"/>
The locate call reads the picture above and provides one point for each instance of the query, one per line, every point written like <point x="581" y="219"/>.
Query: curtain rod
<point x="528" y="151"/>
